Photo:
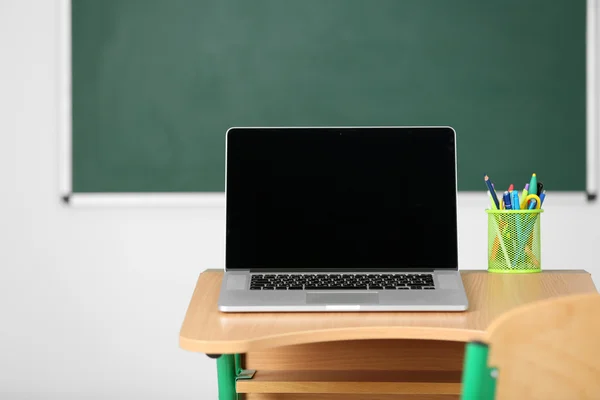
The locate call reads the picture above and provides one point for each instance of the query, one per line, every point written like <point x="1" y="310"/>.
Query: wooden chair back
<point x="548" y="350"/>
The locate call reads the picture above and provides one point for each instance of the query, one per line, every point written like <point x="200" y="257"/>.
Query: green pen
<point x="533" y="184"/>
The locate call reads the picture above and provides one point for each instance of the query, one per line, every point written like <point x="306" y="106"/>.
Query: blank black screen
<point x="341" y="198"/>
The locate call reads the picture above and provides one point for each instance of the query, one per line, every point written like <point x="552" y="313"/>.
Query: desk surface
<point x="207" y="330"/>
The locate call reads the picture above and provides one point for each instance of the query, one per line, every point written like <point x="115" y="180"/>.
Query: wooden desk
<point x="361" y="355"/>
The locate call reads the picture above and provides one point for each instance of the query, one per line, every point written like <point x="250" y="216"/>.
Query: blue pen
<point x="507" y="203"/>
<point x="542" y="197"/>
<point x="532" y="204"/>
<point x="515" y="200"/>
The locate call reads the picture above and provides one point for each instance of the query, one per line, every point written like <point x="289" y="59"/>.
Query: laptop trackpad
<point x="342" y="298"/>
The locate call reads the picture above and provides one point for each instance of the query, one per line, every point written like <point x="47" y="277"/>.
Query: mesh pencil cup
<point x="514" y="243"/>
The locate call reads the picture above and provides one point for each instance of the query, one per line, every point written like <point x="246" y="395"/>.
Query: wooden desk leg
<point x="226" y="374"/>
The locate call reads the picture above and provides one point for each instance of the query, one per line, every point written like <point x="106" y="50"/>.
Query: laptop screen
<point x="304" y="199"/>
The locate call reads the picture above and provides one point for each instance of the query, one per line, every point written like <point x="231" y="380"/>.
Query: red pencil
<point x="511" y="188"/>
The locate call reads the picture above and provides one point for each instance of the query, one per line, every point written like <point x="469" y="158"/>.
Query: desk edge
<point x="342" y="334"/>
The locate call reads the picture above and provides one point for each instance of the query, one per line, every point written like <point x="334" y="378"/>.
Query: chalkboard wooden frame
<point x="204" y="199"/>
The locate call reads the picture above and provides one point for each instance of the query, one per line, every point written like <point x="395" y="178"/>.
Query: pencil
<point x="492" y="191"/>
<point x="495" y="248"/>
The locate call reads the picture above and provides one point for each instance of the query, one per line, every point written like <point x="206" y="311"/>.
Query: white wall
<point x="91" y="300"/>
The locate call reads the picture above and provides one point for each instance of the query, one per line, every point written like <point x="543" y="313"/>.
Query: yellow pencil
<point x="524" y="195"/>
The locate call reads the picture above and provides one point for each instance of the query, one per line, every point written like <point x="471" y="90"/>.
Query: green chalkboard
<point x="156" y="83"/>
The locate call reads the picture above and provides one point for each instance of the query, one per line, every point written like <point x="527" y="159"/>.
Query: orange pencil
<point x="534" y="260"/>
<point x="495" y="248"/>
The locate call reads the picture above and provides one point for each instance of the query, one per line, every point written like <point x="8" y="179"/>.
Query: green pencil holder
<point x="514" y="242"/>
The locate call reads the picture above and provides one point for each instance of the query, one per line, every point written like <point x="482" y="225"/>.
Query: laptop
<point x="341" y="219"/>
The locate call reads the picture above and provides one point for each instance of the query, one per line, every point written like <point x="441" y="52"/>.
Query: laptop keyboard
<point x="342" y="282"/>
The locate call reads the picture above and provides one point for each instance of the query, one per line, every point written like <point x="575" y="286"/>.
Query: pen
<point x="507" y="203"/>
<point x="542" y="198"/>
<point x="535" y="201"/>
<point x="540" y="188"/>
<point x="492" y="191"/>
<point x="515" y="200"/>
<point x="533" y="184"/>
<point x="532" y="204"/>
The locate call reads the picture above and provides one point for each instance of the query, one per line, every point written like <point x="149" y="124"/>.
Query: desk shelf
<point x="312" y="396"/>
<point x="353" y="382"/>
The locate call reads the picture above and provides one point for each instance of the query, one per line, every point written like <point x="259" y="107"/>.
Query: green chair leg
<point x="478" y="380"/>
<point x="226" y="373"/>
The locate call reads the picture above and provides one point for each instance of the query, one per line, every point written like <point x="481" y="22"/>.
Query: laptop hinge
<point x="334" y="271"/>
